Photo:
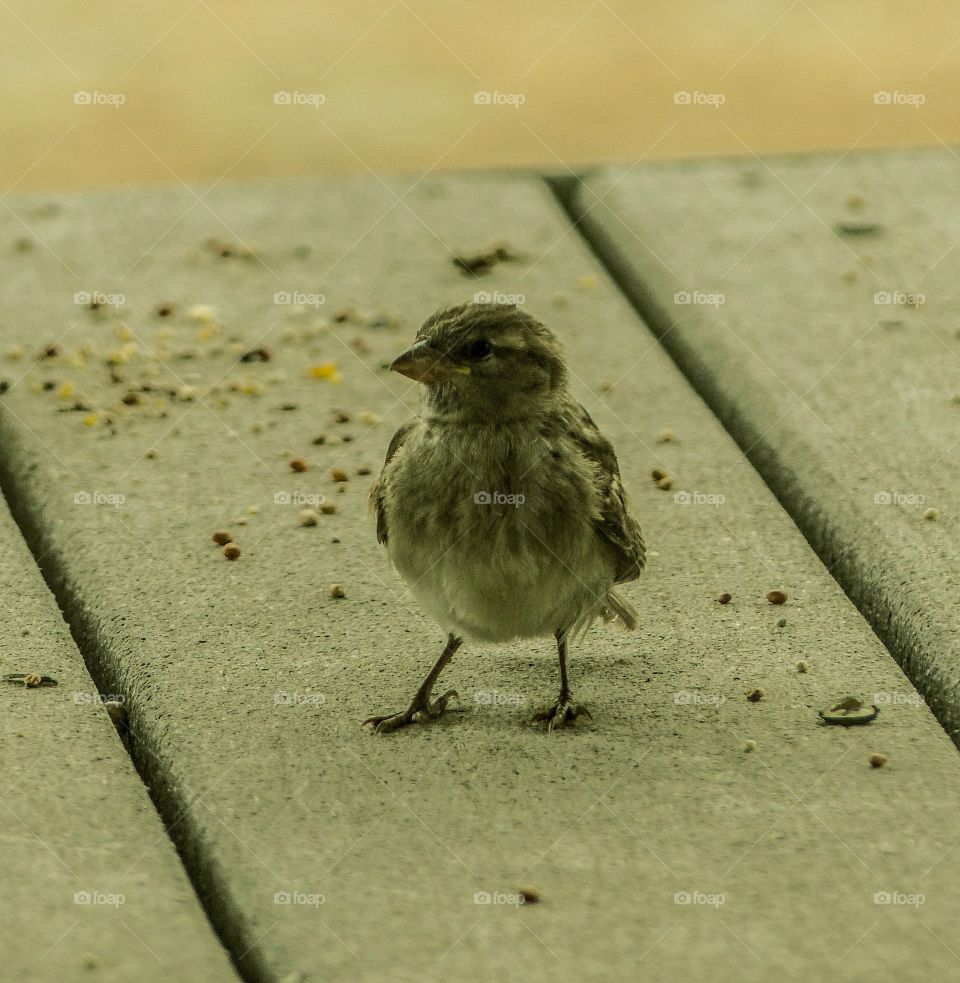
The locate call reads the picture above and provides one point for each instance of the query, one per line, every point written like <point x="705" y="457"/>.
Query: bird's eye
<point x="480" y="348"/>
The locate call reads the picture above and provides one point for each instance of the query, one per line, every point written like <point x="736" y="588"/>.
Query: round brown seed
<point x="777" y="596"/>
<point x="298" y="464"/>
<point x="221" y="537"/>
<point x="231" y="551"/>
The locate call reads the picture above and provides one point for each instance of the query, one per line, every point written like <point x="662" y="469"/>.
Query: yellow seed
<point x="325" y="370"/>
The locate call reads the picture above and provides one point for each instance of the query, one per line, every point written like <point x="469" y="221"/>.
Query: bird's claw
<point x="563" y="712"/>
<point x="417" y="713"/>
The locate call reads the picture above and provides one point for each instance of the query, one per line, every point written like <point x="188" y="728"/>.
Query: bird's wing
<point x="376" y="492"/>
<point x="616" y="523"/>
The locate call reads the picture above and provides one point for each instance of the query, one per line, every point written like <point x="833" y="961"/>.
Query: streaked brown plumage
<point x="502" y="506"/>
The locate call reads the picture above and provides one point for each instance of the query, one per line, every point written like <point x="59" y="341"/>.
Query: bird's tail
<point x="616" y="608"/>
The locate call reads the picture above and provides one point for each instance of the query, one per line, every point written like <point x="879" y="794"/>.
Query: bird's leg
<point x="421" y="708"/>
<point x="564" y="710"/>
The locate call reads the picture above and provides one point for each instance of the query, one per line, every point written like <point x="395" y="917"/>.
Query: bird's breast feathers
<point x="496" y="531"/>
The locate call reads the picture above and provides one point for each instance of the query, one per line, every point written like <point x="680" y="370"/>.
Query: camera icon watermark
<point x="300" y="499"/>
<point x="97" y="298"/>
<point x="713" y="99"/>
<point x="712" y="900"/>
<point x="514" y="899"/>
<point x="85" y="98"/>
<point x="899" y="898"/>
<point x="899" y="298"/>
<point x="485" y="98"/>
<point x="99" y="898"/>
<point x="115" y="499"/>
<point x="301" y="299"/>
<point x="899" y="699"/>
<point x="284" y="699"/>
<point x="492" y="697"/>
<point x="885" y="97"/>
<point x="699" y="298"/>
<point x="494" y="297"/>
<point x="898" y="498"/>
<point x="313" y="99"/>
<point x="698" y="498"/>
<point x="299" y="898"/>
<point x="498" y="498"/>
<point x="684" y="698"/>
<point x="83" y="698"/>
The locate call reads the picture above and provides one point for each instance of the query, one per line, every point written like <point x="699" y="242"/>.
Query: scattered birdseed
<point x="348" y="312"/>
<point x="337" y="591"/>
<point x="321" y="438"/>
<point x="781" y="622"/>
<point x="368" y="419"/>
<point x="777" y="596"/>
<point x="338" y="474"/>
<point x="253" y="509"/>
<point x="666" y="436"/>
<point x="187" y="394"/>
<point x="288" y="407"/>
<point x="658" y="473"/>
<point x="877" y="760"/>
<point x="529" y="894"/>
<point x="335" y="540"/>
<point x="363" y="471"/>
<point x="848" y="712"/>
<point x="202" y="314"/>
<point x="298" y="464"/>
<point x="857" y="228"/>
<point x="307" y="517"/>
<point x="164" y="310"/>
<point x="749" y="746"/>
<point x="931" y="515"/>
<point x="226" y="250"/>
<point x="328" y="508"/>
<point x="665" y="483"/>
<point x="4" y="386"/>
<point x="31" y="680"/>
<point x="241" y="520"/>
<point x="803" y="666"/>
<point x="222" y="536"/>
<point x="152" y="453"/>
<point x="855" y="201"/>
<point x="325" y="370"/>
<point x="725" y="598"/>
<point x="231" y="551"/>
<point x="261" y="354"/>
<point x="755" y="695"/>
<point x="481" y="263"/>
<point x="341" y="417"/>
<point x="50" y="351"/>
<point x="16" y="351"/>
<point x="131" y="399"/>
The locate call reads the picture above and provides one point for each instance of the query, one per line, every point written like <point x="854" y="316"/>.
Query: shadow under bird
<point x="502" y="506"/>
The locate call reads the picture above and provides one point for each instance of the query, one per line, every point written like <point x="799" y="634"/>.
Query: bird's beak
<point x="424" y="363"/>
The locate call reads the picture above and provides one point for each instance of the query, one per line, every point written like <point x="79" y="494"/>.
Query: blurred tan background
<point x="106" y="94"/>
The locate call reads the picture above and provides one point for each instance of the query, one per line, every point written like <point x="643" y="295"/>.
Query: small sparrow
<point x="502" y="506"/>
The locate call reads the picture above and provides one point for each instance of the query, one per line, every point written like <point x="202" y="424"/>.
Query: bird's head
<point x="491" y="361"/>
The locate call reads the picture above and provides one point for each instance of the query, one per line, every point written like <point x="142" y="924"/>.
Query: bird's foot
<point x="420" y="711"/>
<point x="563" y="712"/>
